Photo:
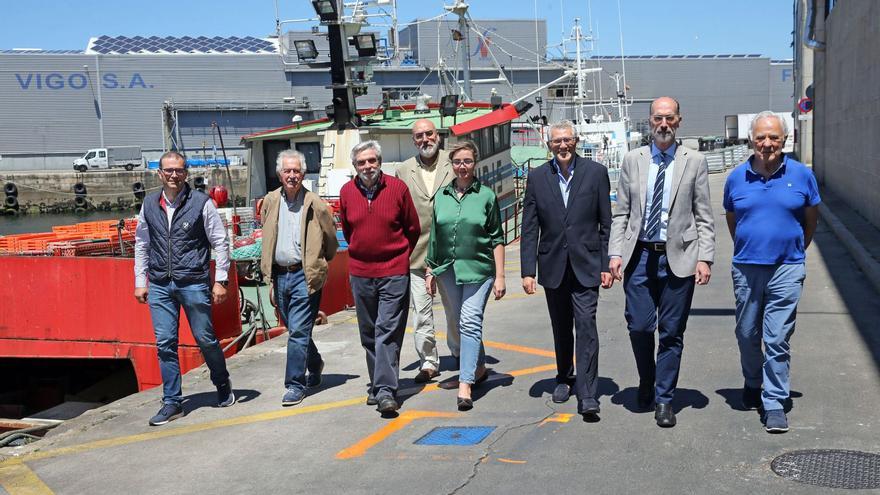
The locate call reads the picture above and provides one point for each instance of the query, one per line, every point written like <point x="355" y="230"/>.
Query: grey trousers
<point x="381" y="305"/>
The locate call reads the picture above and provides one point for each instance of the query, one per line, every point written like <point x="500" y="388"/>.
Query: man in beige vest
<point x="425" y="174"/>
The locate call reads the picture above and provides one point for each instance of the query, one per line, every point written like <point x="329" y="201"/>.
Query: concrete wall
<point x="847" y="111"/>
<point x="56" y="187"/>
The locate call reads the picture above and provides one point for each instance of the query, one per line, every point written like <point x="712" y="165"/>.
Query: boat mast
<point x="579" y="96"/>
<point x="460" y="9"/>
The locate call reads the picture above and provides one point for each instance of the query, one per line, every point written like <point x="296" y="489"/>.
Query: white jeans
<point x="423" y="323"/>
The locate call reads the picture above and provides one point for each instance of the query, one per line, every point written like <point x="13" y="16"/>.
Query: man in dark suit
<point x="565" y="231"/>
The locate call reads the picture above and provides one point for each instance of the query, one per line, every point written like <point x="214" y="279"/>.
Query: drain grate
<point x="456" y="435"/>
<point x="830" y="468"/>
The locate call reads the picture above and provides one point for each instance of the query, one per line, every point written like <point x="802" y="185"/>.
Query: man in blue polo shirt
<point x="772" y="214"/>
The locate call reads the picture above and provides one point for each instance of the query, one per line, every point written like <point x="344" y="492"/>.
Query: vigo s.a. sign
<point x="38" y="81"/>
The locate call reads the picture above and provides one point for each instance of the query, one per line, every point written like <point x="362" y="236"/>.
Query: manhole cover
<point x="830" y="468"/>
<point x="455" y="435"/>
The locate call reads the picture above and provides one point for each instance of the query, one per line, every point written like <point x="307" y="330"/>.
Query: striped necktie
<point x="652" y="228"/>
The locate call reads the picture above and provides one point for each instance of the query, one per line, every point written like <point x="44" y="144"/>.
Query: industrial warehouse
<point x="163" y="93"/>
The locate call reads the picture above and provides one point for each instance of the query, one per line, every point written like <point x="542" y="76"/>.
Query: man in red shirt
<point x="381" y="225"/>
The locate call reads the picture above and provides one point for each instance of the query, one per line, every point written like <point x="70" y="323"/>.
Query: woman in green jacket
<point x="466" y="255"/>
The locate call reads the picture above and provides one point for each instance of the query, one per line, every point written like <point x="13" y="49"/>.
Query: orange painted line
<point x="557" y="418"/>
<point x="519" y="348"/>
<point x="505" y="347"/>
<point x="531" y="371"/>
<point x="510" y="461"/>
<point x="405" y="418"/>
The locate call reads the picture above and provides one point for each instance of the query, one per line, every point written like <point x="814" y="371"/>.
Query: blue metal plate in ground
<point x="456" y="435"/>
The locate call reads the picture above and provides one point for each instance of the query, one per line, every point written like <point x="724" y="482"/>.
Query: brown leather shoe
<point x="426" y="375"/>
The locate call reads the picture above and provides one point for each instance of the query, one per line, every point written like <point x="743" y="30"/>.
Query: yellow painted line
<point x="182" y="430"/>
<point x="240" y="420"/>
<point x="557" y="418"/>
<point x="405" y="418"/>
<point x="18" y="479"/>
<point x="510" y="461"/>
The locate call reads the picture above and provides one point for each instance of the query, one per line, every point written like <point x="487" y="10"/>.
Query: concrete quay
<point x="54" y="187"/>
<point x="334" y="443"/>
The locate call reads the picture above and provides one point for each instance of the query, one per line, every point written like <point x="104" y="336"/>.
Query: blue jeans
<point x="466" y="304"/>
<point x="766" y="307"/>
<point x="298" y="310"/>
<point x="165" y="300"/>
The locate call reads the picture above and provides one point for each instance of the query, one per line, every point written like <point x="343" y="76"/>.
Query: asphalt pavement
<point x="515" y="440"/>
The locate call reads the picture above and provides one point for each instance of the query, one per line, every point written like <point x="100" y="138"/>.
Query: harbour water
<point x="23" y="224"/>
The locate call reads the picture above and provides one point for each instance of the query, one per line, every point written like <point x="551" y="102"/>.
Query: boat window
<point x="505" y="136"/>
<point x="486" y="138"/>
<point x="312" y="151"/>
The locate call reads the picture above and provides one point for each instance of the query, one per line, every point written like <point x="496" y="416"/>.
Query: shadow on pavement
<point x="855" y="292"/>
<point x="209" y="399"/>
<point x="330" y="380"/>
<point x="733" y="398"/>
<point x="606" y="386"/>
<point x="684" y="398"/>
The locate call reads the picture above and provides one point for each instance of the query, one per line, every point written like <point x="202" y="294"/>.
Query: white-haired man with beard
<point x="428" y="172"/>
<point x="662" y="243"/>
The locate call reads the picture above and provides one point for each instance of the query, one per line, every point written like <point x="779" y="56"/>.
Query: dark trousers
<point x="656" y="298"/>
<point x="573" y="305"/>
<point x="381" y="305"/>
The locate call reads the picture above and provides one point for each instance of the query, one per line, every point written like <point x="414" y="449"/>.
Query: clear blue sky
<point x="650" y="27"/>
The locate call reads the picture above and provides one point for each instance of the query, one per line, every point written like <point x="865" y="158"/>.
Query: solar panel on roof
<point x="185" y="44"/>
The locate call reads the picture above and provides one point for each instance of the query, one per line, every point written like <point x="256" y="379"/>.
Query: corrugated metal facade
<point x="49" y="105"/>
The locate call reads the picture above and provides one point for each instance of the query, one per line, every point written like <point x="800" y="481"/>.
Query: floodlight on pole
<point x="305" y="50"/>
<point x="365" y="44"/>
<point x="327" y="10"/>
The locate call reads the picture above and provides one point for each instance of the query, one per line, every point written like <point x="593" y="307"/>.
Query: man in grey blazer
<point x="424" y="174"/>
<point x="662" y="243"/>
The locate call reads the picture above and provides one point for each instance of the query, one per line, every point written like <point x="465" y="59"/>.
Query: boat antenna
<point x="622" y="63"/>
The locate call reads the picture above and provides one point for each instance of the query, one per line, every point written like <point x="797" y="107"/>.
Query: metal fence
<point x="726" y="158"/>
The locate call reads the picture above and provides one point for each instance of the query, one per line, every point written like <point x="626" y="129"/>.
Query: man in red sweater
<point x="381" y="226"/>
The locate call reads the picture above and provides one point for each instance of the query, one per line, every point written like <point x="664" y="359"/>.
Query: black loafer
<point x="465" y="404"/>
<point x="664" y="415"/>
<point x="589" y="410"/>
<point x="561" y="393"/>
<point x="387" y="405"/>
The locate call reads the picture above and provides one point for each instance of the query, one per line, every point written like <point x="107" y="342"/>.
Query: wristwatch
<point x="224" y="283"/>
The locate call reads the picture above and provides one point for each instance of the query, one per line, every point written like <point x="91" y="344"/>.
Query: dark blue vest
<point x="184" y="254"/>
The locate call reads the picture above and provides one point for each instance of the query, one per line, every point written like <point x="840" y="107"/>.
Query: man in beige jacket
<point x="299" y="240"/>
<point x="426" y="173"/>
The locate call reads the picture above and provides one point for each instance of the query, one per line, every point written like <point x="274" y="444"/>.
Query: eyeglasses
<point x="372" y="161"/>
<point x="170" y="172"/>
<point x="566" y="140"/>
<point x="465" y="161"/>
<point x="422" y="135"/>
<point x="668" y="118"/>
